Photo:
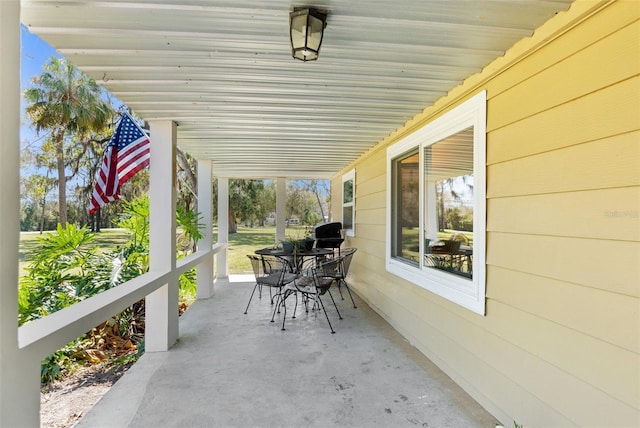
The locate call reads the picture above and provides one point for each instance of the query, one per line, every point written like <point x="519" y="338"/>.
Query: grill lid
<point x="328" y="230"/>
<point x="328" y="235"/>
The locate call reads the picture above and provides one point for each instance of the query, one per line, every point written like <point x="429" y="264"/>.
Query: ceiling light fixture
<point x="306" y="26"/>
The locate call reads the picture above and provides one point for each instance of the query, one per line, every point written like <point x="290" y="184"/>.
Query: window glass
<point x="347" y="191"/>
<point x="348" y="202"/>
<point x="406" y="234"/>
<point x="347" y="217"/>
<point x="436" y="205"/>
<point x="449" y="204"/>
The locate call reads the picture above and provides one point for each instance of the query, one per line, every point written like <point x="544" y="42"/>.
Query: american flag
<point x="127" y="153"/>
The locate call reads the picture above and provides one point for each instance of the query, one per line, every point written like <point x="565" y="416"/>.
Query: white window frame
<point x="469" y="293"/>
<point x="351" y="175"/>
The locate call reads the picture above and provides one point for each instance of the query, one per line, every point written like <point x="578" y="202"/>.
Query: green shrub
<point x="67" y="268"/>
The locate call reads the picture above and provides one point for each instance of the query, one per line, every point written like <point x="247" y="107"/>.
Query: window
<point x="436" y="207"/>
<point x="406" y="216"/>
<point x="348" y="202"/>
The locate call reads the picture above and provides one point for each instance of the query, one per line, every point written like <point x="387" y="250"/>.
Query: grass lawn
<point x="105" y="240"/>
<point x="247" y="240"/>
<point x="244" y="242"/>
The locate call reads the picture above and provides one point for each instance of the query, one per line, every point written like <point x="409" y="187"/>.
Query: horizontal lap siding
<point x="606" y="265"/>
<point x="580" y="341"/>
<point x="370" y="222"/>
<point x="563" y="241"/>
<point x="593" y="214"/>
<point x="587" y="73"/>
<point x="538" y="346"/>
<point x="602" y="164"/>
<point x="603" y="114"/>
<point x="559" y="345"/>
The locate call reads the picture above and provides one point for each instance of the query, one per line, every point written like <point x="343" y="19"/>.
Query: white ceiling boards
<point x="223" y="69"/>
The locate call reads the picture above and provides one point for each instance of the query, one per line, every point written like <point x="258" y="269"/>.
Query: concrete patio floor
<point x="234" y="370"/>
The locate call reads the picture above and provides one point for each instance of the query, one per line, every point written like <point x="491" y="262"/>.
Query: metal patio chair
<point x="338" y="268"/>
<point x="311" y="284"/>
<point x="271" y="272"/>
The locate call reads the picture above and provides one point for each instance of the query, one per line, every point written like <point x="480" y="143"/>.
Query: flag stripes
<point x="127" y="153"/>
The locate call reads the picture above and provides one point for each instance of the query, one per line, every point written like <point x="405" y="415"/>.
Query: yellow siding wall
<point x="560" y="342"/>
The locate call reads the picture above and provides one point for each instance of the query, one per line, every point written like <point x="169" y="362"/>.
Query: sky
<point x="34" y="54"/>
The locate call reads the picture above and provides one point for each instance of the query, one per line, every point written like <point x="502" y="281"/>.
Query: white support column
<point x="223" y="228"/>
<point x="162" y="305"/>
<point x="281" y="208"/>
<point x="19" y="371"/>
<point x="204" y="271"/>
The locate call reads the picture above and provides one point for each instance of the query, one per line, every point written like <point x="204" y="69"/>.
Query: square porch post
<point x="161" y="311"/>
<point x="223" y="228"/>
<point x="204" y="271"/>
<point x="281" y="208"/>
<point x="19" y="369"/>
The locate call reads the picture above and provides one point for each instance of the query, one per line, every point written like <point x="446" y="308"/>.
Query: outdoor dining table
<point x="298" y="257"/>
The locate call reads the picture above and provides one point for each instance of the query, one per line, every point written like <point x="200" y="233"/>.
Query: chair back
<point x="257" y="265"/>
<point x="273" y="264"/>
<point x="451" y="246"/>
<point x="347" y="255"/>
<point x="329" y="267"/>
<point x="269" y="267"/>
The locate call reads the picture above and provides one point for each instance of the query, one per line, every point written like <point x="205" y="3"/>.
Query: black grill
<point x="328" y="235"/>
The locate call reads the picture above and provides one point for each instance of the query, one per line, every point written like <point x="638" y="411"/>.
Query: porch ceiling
<point x="223" y="69"/>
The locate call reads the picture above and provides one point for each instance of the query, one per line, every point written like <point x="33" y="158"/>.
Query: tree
<point x="319" y="188"/>
<point x="65" y="103"/>
<point x="242" y="197"/>
<point x="265" y="202"/>
<point x="36" y="187"/>
<point x="448" y="191"/>
<point x="187" y="180"/>
<point x="296" y="201"/>
<point x="249" y="200"/>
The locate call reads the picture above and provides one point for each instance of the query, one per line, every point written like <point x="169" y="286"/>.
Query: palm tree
<point x="66" y="103"/>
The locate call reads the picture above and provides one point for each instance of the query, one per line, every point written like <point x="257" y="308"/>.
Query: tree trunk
<point x="94" y="220"/>
<point x="184" y="163"/>
<point x="43" y="202"/>
<point x="440" y="201"/>
<point x="62" y="180"/>
<point x="315" y="190"/>
<point x="233" y="227"/>
<point x="98" y="220"/>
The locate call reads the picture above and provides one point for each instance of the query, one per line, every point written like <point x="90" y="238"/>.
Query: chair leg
<point x="340" y="289"/>
<point x="284" y="317"/>
<point x="305" y="299"/>
<point x="325" y="313"/>
<point x="279" y="300"/>
<point x="276" y="308"/>
<point x="334" y="303"/>
<point x="284" y="298"/>
<point x="254" y="290"/>
<point x="295" y="307"/>
<point x="349" y="291"/>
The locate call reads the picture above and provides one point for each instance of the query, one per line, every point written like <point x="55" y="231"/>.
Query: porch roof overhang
<point x="223" y="71"/>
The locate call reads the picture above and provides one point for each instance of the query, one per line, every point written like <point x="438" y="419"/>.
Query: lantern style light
<point x="306" y="27"/>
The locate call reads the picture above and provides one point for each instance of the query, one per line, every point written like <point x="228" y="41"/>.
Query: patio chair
<point x="444" y="255"/>
<point x="310" y="285"/>
<point x="269" y="272"/>
<point x="338" y="268"/>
